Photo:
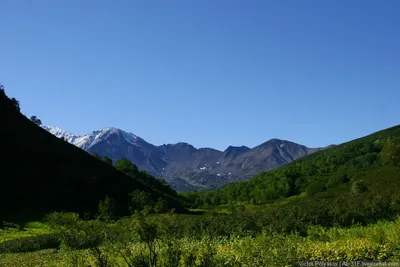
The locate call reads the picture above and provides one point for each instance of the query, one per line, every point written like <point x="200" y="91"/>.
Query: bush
<point x="4" y="224"/>
<point x="30" y="243"/>
<point x="337" y="180"/>
<point x="390" y="153"/>
<point x="315" y="187"/>
<point x="359" y="187"/>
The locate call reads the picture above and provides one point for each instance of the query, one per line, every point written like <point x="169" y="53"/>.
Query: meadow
<point x="153" y="240"/>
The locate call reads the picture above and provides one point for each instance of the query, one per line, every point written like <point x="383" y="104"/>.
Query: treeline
<point x="361" y="205"/>
<point x="311" y="174"/>
<point x="127" y="167"/>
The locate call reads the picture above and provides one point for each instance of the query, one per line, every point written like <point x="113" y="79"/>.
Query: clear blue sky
<point x="211" y="73"/>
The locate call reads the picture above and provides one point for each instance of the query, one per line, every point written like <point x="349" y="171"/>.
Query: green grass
<point x="30" y="229"/>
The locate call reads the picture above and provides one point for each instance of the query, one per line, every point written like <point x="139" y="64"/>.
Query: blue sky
<point x="211" y="73"/>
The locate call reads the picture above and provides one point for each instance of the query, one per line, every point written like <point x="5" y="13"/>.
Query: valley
<point x="339" y="204"/>
<point x="199" y="133"/>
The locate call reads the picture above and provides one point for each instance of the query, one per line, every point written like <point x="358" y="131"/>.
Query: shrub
<point x="315" y="187"/>
<point x="337" y="180"/>
<point x="390" y="153"/>
<point x="359" y="187"/>
<point x="30" y="243"/>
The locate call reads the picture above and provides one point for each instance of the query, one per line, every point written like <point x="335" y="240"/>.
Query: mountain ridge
<point x="181" y="164"/>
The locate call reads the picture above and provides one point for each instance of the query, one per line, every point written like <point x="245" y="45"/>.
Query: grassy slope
<point x="40" y="173"/>
<point x="357" y="158"/>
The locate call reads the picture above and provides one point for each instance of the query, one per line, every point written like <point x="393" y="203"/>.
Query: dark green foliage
<point x="30" y="243"/>
<point x="107" y="160"/>
<point x="42" y="173"/>
<point x="148" y="233"/>
<point x="36" y="120"/>
<point x="343" y="210"/>
<point x="15" y="104"/>
<point x="391" y="151"/>
<point x="142" y="229"/>
<point x="127" y="167"/>
<point x="161" y="206"/>
<point x="337" y="179"/>
<point x="75" y="233"/>
<point x="140" y="200"/>
<point x="107" y="209"/>
<point x="315" y="187"/>
<point x="359" y="187"/>
<point x="10" y="225"/>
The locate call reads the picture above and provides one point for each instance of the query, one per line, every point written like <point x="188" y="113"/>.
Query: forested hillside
<point x="41" y="173"/>
<point x="315" y="173"/>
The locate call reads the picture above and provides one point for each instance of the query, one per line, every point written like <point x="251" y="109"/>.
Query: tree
<point x="315" y="187"/>
<point x="391" y="152"/>
<point x="108" y="160"/>
<point x="36" y="120"/>
<point x="126" y="166"/>
<point x="338" y="179"/>
<point x="161" y="206"/>
<point x="107" y="209"/>
<point x="140" y="200"/>
<point x="163" y="181"/>
<point x="15" y="102"/>
<point x="359" y="187"/>
<point x="96" y="155"/>
<point x="2" y="93"/>
<point x="75" y="234"/>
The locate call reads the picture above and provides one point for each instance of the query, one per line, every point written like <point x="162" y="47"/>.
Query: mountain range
<point x="182" y="165"/>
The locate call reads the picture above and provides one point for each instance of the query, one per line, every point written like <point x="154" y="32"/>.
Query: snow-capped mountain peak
<point x="88" y="140"/>
<point x="57" y="131"/>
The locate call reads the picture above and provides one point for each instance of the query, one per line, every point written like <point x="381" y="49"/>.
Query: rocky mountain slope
<point x="184" y="166"/>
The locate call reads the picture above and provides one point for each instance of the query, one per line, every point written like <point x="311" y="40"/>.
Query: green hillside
<point x="40" y="173"/>
<point x="324" y="170"/>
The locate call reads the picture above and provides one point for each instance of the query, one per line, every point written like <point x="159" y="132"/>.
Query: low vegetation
<point x="157" y="240"/>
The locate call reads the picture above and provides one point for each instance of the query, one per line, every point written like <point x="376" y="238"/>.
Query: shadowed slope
<point x="40" y="173"/>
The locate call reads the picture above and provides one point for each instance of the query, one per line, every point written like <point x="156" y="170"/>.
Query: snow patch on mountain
<point x="57" y="131"/>
<point x="88" y="140"/>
